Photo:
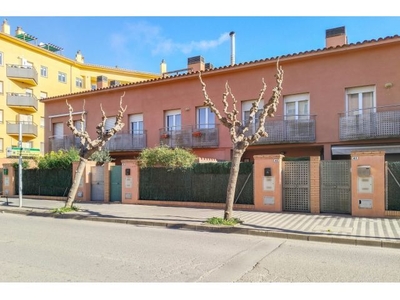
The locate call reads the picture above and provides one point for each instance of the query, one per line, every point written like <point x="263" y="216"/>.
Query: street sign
<point x="24" y="152"/>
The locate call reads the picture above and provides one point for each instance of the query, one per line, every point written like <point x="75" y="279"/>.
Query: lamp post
<point x="20" y="164"/>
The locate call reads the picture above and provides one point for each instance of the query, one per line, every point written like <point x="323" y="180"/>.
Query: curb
<point x="218" y="229"/>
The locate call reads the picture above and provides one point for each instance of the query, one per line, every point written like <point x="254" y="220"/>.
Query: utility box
<point x="364" y="171"/>
<point x="269" y="183"/>
<point x="365" y="203"/>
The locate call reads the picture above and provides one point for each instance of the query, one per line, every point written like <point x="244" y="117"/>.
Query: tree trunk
<point x="74" y="188"/>
<point x="233" y="175"/>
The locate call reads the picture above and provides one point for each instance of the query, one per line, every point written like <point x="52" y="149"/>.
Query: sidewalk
<point x="344" y="229"/>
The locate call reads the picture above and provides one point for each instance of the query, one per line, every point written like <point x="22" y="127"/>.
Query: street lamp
<point x="20" y="164"/>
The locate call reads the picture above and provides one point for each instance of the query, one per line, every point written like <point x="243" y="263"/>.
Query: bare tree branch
<point x="236" y="128"/>
<point x="103" y="136"/>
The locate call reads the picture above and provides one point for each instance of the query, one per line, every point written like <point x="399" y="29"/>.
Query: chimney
<point x="196" y="63"/>
<point x="5" y="28"/>
<point x="19" y="31"/>
<point x="102" y="82"/>
<point x="163" y="67"/>
<point x="232" y="34"/>
<point x="335" y="37"/>
<point x="79" y="57"/>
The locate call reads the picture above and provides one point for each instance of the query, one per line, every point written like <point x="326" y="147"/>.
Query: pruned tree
<point x="240" y="133"/>
<point x="89" y="146"/>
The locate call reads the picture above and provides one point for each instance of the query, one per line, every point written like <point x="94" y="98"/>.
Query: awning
<point x="346" y="150"/>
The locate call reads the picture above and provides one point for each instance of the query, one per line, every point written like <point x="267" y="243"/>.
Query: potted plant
<point x="196" y="134"/>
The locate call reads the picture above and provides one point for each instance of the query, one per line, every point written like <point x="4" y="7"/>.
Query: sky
<point x="138" y="35"/>
<point x="139" y="38"/>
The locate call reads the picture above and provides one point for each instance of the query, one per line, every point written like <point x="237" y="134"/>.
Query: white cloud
<point x="145" y="35"/>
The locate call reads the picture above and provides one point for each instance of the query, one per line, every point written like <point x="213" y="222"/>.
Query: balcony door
<point x="136" y="124"/>
<point x="246" y="107"/>
<point x="360" y="100"/>
<point x="297" y="107"/>
<point x="205" y="118"/>
<point x="173" y="120"/>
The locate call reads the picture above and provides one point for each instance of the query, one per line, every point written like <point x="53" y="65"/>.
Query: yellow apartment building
<point x="31" y="70"/>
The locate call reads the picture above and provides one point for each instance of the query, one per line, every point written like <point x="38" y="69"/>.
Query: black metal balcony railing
<point x="121" y="141"/>
<point x="22" y="101"/>
<point x="27" y="74"/>
<point x="63" y="142"/>
<point x="372" y="123"/>
<point x="125" y="141"/>
<point x="26" y="128"/>
<point x="289" y="129"/>
<point x="202" y="136"/>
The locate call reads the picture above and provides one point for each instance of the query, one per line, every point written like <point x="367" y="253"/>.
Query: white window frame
<point x="43" y="71"/>
<point x="246" y="106"/>
<point x="62" y="77"/>
<point x="78" y="125"/>
<point x="1" y="116"/>
<point x="1" y="87"/>
<point x="43" y="95"/>
<point x="297" y="99"/>
<point x="1" y="145"/>
<point x="79" y="82"/>
<point x="360" y="91"/>
<point x="110" y="123"/>
<point x="1" y="58"/>
<point x="209" y="116"/>
<point x="136" y="125"/>
<point x="175" y="118"/>
<point x="42" y="122"/>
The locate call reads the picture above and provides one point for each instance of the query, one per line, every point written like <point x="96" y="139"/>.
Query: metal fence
<point x="204" y="183"/>
<point x="393" y="185"/>
<point x="38" y="182"/>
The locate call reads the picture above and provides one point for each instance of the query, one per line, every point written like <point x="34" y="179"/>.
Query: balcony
<point x="64" y="142"/>
<point x="127" y="141"/>
<point x="282" y="130"/>
<point x="28" y="129"/>
<point x="203" y="136"/>
<point x="22" y="101"/>
<point x="373" y="123"/>
<point x="26" y="74"/>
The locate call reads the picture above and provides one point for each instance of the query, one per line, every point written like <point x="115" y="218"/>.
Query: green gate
<point x="393" y="185"/>
<point x="116" y="184"/>
<point x="336" y="186"/>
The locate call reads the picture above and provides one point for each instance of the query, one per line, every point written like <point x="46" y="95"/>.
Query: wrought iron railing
<point x="372" y="123"/>
<point x="64" y="142"/>
<point x="123" y="141"/>
<point x="289" y="129"/>
<point x="192" y="136"/>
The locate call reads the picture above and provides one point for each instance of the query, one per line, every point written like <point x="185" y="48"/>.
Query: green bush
<point x="24" y="165"/>
<point x="62" y="159"/>
<point x="164" y="156"/>
<point x="101" y="157"/>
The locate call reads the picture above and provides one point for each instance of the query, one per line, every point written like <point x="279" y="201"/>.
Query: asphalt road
<point x="36" y="249"/>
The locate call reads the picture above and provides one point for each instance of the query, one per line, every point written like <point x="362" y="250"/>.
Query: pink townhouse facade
<point x="335" y="100"/>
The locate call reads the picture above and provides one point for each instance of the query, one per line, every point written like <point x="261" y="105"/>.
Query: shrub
<point x="164" y="156"/>
<point x="101" y="157"/>
<point x="62" y="159"/>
